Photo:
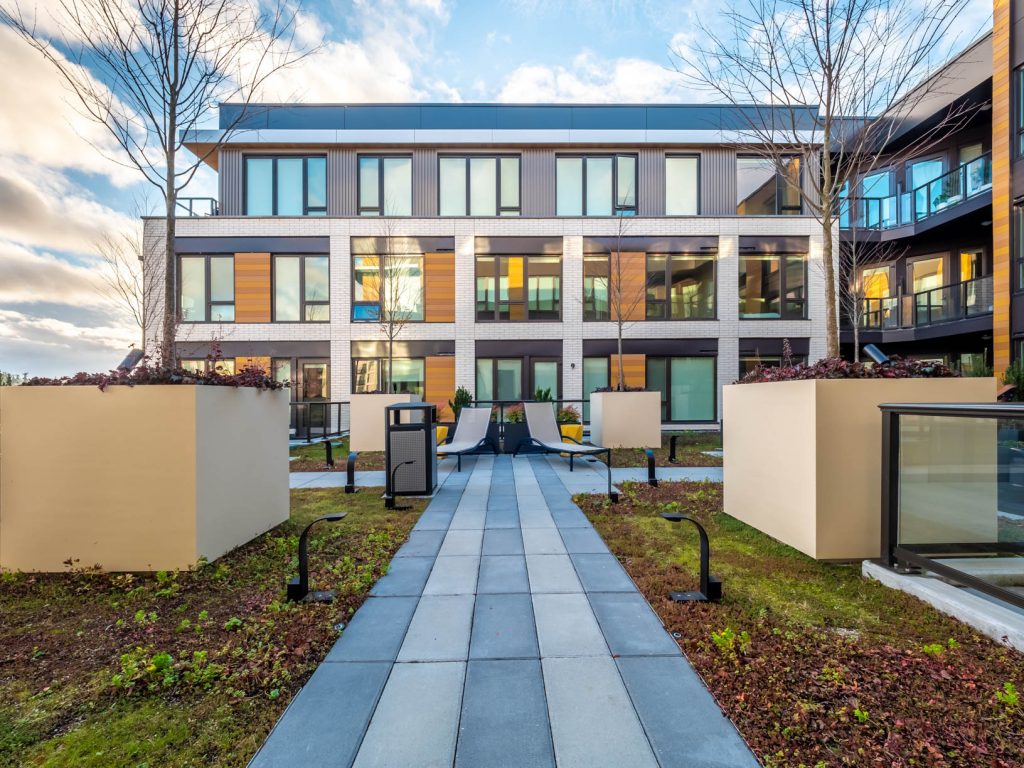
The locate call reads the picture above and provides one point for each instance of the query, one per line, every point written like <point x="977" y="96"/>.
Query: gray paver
<point x="543" y="541"/>
<point x="602" y="573"/>
<point x="326" y="720"/>
<point x="503" y="628"/>
<point x="502" y="574"/>
<point x="453" y="576"/>
<point x="593" y="723"/>
<point x="416" y="722"/>
<point x="583" y="541"/>
<point x="422" y="543"/>
<point x="552" y="573"/>
<point x="498" y="730"/>
<point x="566" y="626"/>
<point x="630" y="626"/>
<point x="503" y="542"/>
<point x="377" y="630"/>
<point x="461" y="543"/>
<point x="682" y="720"/>
<point x="439" y="630"/>
<point x="405" y="577"/>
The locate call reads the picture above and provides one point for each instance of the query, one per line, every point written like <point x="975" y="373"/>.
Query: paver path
<point x="505" y="634"/>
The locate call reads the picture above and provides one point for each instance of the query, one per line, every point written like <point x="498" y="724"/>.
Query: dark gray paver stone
<point x="503" y="542"/>
<point x="416" y="722"/>
<point x="503" y="628"/>
<point x="566" y="626"/>
<point x="630" y="626"/>
<point x="505" y="517"/>
<point x="602" y="573"/>
<point x="376" y="631"/>
<point x="405" y="577"/>
<point x="681" y="718"/>
<point x="439" y="630"/>
<point x="583" y="541"/>
<point x="422" y="543"/>
<point x="502" y="574"/>
<point x="504" y="717"/>
<point x="434" y="521"/>
<point x="325" y="722"/>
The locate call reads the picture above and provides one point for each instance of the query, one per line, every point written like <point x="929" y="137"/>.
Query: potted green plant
<point x="569" y="423"/>
<point x="516" y="431"/>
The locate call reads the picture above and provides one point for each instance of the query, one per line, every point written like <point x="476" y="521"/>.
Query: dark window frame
<point x="306" y="209"/>
<point x="497" y="257"/>
<point x="500" y="210"/>
<point x="380" y="272"/>
<point x="782" y="286"/>
<point x="527" y="385"/>
<point x="759" y="359"/>
<point x="780" y="184"/>
<point x="667" y="304"/>
<point x="617" y="210"/>
<point x="1018" y="111"/>
<point x="378" y="210"/>
<point x="1017" y="244"/>
<point x="207" y="313"/>
<point x="666" y="404"/>
<point x="381" y="362"/>
<point x="684" y="155"/>
<point x="590" y="315"/>
<point x="303" y="303"/>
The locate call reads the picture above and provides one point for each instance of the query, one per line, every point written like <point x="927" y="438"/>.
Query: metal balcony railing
<point x="947" y="191"/>
<point x="196" y="206"/>
<point x="945" y="304"/>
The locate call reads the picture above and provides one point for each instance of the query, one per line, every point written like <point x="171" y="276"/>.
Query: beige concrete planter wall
<point x="138" y="478"/>
<point x="366" y="419"/>
<point x="802" y="459"/>
<point x="625" y="419"/>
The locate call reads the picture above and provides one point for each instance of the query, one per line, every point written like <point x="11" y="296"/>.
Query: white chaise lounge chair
<point x="470" y="434"/>
<point x="544" y="433"/>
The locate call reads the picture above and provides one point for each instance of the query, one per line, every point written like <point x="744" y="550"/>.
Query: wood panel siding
<point x="230" y="180"/>
<point x="440" y="384"/>
<point x="634" y="370"/>
<point x="263" y="363"/>
<point x="718" y="181"/>
<point x="632" y="303"/>
<point x="1002" y="74"/>
<point x="252" y="287"/>
<point x="439" y="291"/>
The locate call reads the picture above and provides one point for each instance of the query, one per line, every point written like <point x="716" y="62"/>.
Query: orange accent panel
<point x="1001" y="157"/>
<point x="252" y="287"/>
<point x="263" y="363"/>
<point x="634" y="370"/>
<point x="628" y="285"/>
<point x="439" y="280"/>
<point x="440" y="385"/>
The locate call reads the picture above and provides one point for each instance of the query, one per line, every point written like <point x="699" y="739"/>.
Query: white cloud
<point x="29" y="276"/>
<point x="45" y="346"/>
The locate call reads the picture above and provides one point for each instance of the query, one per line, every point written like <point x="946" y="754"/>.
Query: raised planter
<point x="140" y="478"/>
<point x="366" y="419"/>
<point x="517" y="438"/>
<point x="625" y="419"/>
<point x="802" y="459"/>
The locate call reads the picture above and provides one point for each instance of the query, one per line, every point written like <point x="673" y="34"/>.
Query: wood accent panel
<point x="439" y="291"/>
<point x="1002" y="74"/>
<point x="634" y="370"/>
<point x="263" y="363"/>
<point x="252" y="287"/>
<point x="630" y="295"/>
<point x="440" y="384"/>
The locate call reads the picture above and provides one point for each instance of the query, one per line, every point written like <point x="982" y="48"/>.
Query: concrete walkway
<point x="505" y="634"/>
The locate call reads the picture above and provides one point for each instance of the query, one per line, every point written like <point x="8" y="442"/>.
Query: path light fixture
<point x="389" y="495"/>
<point x="350" y="473"/>
<point x="329" y="453"/>
<point x="710" y="586"/>
<point x="652" y="479"/>
<point x="298" y="587"/>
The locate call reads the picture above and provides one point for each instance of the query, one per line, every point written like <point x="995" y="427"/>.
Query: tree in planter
<point x="400" y="293"/>
<point x="625" y="298"/>
<point x="862" y="62"/>
<point x="150" y="72"/>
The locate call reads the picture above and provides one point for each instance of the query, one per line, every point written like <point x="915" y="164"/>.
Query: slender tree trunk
<point x="391" y="358"/>
<point x="622" y="382"/>
<point x="827" y="251"/>
<point x="168" y="358"/>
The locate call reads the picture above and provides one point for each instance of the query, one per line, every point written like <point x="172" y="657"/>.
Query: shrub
<point x="463" y="399"/>
<point x="567" y="415"/>
<point x="145" y="373"/>
<point x="1014" y="377"/>
<point x="543" y="395"/>
<point x="515" y="414"/>
<point x="837" y="368"/>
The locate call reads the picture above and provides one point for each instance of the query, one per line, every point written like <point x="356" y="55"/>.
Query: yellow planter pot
<point x="440" y="434"/>
<point x="575" y="431"/>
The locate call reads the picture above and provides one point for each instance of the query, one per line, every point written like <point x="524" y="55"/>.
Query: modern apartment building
<point x="502" y="219"/>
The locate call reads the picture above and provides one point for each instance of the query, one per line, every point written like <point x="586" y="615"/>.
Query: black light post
<point x="710" y="586"/>
<point x="328" y="450"/>
<point x="350" y="473"/>
<point x="389" y="494"/>
<point x="672" y="448"/>
<point x="298" y="587"/>
<point x="652" y="480"/>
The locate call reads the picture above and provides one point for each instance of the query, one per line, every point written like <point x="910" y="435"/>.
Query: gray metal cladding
<point x="650" y="198"/>
<point x="229" y="177"/>
<point x="424" y="182"/>
<point x="537" y="189"/>
<point x="718" y="181"/>
<point x="341" y="182"/>
<point x="811" y="172"/>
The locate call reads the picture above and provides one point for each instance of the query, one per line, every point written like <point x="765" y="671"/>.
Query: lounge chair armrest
<point x="572" y="439"/>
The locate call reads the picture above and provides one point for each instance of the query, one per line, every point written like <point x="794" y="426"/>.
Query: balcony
<point x="952" y="189"/>
<point x="946" y="304"/>
<point x="195" y="206"/>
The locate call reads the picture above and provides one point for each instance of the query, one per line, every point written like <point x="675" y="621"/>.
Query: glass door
<point x="926" y="278"/>
<point x="926" y="195"/>
<point x="544" y="377"/>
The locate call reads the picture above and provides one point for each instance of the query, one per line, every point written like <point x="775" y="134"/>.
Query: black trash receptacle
<point x="410" y="449"/>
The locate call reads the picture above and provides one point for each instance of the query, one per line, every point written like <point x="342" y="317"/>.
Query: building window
<point x="387" y="287"/>
<point x="1018" y="245"/>
<point x="680" y="287"/>
<point x="773" y="286"/>
<point x="205" y="364"/>
<point x="499" y="379"/>
<point x="369" y="374"/>
<point x="596" y="300"/>
<point x="682" y="175"/>
<point x="687" y="386"/>
<point x="518" y="288"/>
<point x="206" y="289"/>
<point x="385" y="185"/>
<point x="301" y="289"/>
<point x="596" y="185"/>
<point x="1018" y="123"/>
<point x="478" y="186"/>
<point x="750" y="363"/>
<point x="286" y="186"/>
<point x="762" y="191"/>
<point x="595" y="376"/>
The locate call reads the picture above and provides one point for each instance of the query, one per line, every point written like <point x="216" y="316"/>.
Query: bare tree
<point x="863" y="63"/>
<point x="625" y="297"/>
<point x="151" y="71"/>
<point x="122" y="278"/>
<point x="400" y="292"/>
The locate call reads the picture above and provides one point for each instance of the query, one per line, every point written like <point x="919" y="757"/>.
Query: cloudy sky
<point x="60" y="192"/>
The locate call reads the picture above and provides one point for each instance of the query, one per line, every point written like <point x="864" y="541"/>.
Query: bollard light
<point x="298" y="587"/>
<point x="389" y="494"/>
<point x="710" y="586"/>
<point x="350" y="473"/>
<point x="652" y="480"/>
<point x="672" y="449"/>
<point x="329" y="453"/>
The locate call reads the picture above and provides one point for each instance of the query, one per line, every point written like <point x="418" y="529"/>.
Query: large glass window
<point x="369" y="374"/>
<point x="921" y="173"/>
<point x="596" y="185"/>
<point x="301" y="289"/>
<point x="680" y="287"/>
<point x="687" y="386"/>
<point x="518" y="288"/>
<point x="762" y="191"/>
<point x="750" y="363"/>
<point x="596" y="299"/>
<point x="207" y="289"/>
<point x="1018" y="111"/>
<point x="682" y="194"/>
<point x="286" y="186"/>
<point x="499" y="379"/>
<point x="387" y="287"/>
<point x="773" y="286"/>
<point x="595" y="376"/>
<point x="385" y="185"/>
<point x="478" y="186"/>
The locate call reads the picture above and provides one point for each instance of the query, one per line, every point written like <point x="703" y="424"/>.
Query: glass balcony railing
<point x="195" y="206"/>
<point x="945" y="304"/>
<point x="947" y="191"/>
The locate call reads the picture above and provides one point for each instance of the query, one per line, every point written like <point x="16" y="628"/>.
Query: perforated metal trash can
<point x="410" y="450"/>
